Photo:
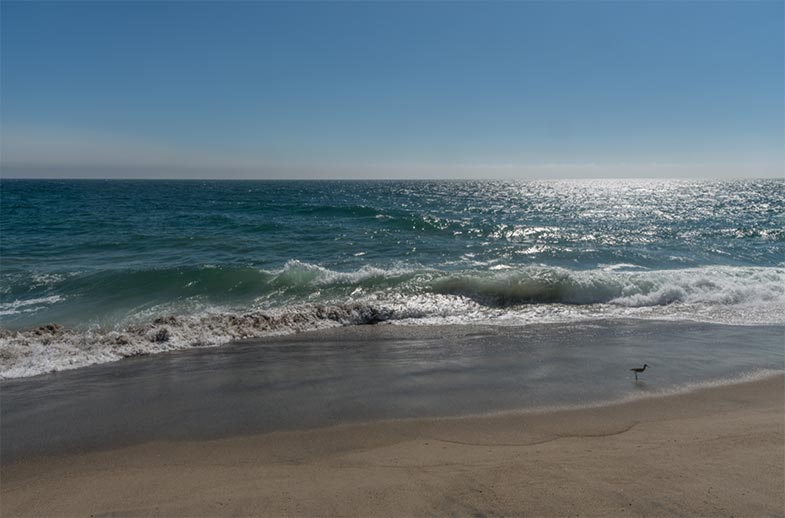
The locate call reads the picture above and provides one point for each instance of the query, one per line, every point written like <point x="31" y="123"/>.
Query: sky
<point x="178" y="89"/>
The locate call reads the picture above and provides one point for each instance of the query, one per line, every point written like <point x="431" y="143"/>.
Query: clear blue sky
<point x="393" y="89"/>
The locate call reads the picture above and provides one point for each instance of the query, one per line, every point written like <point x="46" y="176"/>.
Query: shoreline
<point x="715" y="450"/>
<point x="369" y="374"/>
<point x="119" y="347"/>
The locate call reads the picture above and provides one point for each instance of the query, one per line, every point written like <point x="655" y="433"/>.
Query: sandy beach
<point x="713" y="452"/>
<point x="392" y="259"/>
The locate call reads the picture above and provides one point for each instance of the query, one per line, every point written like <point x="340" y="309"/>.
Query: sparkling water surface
<point x="132" y="267"/>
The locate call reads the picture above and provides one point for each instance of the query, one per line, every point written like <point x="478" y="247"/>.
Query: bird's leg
<point x="636" y="376"/>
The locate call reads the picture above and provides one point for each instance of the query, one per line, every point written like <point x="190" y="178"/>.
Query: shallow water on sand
<point x="374" y="372"/>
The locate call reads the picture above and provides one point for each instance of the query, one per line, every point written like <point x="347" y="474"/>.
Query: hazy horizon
<point x="251" y="176"/>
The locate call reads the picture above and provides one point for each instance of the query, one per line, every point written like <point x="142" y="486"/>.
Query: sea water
<point x="96" y="271"/>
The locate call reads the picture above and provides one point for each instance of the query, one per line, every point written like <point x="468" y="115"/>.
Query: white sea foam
<point x="27" y="305"/>
<point x="53" y="348"/>
<point x="727" y="295"/>
<point x="301" y="273"/>
<point x="532" y="285"/>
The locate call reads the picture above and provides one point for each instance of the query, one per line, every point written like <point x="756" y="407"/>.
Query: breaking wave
<point x="207" y="306"/>
<point x="53" y="347"/>
<point x="717" y="285"/>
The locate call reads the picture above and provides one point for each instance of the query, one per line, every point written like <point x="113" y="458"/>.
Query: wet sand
<point x="369" y="373"/>
<point x="715" y="451"/>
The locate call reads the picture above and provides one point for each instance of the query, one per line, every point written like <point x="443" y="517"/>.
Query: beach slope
<point x="715" y="451"/>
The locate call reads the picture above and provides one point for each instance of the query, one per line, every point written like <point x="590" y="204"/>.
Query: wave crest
<point x="371" y="295"/>
<point x="542" y="285"/>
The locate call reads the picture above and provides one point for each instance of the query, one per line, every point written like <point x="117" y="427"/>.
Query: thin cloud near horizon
<point x="53" y="153"/>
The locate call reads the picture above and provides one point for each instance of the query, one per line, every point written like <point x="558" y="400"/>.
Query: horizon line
<point x="456" y="179"/>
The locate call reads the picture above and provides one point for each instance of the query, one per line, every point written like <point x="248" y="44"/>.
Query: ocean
<point x="97" y="271"/>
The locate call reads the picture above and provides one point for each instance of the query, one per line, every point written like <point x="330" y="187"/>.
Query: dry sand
<point x="712" y="452"/>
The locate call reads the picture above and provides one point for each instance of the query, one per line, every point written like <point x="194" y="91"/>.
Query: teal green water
<point x="131" y="267"/>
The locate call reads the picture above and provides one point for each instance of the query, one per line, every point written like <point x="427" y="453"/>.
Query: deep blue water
<point x="130" y="267"/>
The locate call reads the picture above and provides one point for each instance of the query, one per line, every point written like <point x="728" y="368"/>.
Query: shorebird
<point x="636" y="370"/>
